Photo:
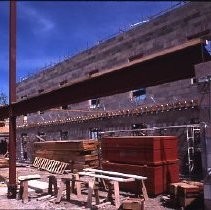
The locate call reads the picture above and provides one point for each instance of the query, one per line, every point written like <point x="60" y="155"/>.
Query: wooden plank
<point x="78" y="184"/>
<point x="38" y="185"/>
<point x="72" y="145"/>
<point x="64" y="165"/>
<point x="46" y="163"/>
<point x="49" y="165"/>
<point x="144" y="190"/>
<point x="25" y="195"/>
<point x="54" y="166"/>
<point x="57" y="167"/>
<point x="59" y="195"/>
<point x="42" y="166"/>
<point x="42" y="163"/>
<point x="35" y="161"/>
<point x="116" y="194"/>
<point x="107" y="177"/>
<point x="90" y="192"/>
<point x="29" y="177"/>
<point x="115" y="173"/>
<point x="46" y="197"/>
<point x="38" y="162"/>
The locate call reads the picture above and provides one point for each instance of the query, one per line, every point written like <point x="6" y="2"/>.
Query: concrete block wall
<point x="203" y="72"/>
<point x="170" y="29"/>
<point x="164" y="93"/>
<point x="81" y="130"/>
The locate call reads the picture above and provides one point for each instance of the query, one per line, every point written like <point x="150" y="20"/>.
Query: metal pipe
<point x="12" y="186"/>
<point x="153" y="128"/>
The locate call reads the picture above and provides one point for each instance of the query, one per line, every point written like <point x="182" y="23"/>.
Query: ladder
<point x="190" y="136"/>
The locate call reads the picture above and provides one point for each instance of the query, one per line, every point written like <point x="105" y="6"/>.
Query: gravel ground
<point x="75" y="203"/>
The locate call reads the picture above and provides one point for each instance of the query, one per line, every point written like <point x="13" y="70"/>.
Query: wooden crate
<point x="133" y="204"/>
<point x="185" y="193"/>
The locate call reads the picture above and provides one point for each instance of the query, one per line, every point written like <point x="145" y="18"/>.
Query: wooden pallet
<point x="52" y="166"/>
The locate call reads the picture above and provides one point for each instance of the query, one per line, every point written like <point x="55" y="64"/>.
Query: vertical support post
<point x="12" y="187"/>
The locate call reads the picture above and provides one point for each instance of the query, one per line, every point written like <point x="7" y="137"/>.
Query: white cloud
<point x="42" y="23"/>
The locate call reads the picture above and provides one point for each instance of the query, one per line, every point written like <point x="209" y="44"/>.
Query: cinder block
<point x="203" y="69"/>
<point x="207" y="191"/>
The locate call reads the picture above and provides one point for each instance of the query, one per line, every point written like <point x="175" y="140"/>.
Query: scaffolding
<point x="192" y="146"/>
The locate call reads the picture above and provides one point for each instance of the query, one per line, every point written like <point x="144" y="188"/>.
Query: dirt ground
<point x="49" y="203"/>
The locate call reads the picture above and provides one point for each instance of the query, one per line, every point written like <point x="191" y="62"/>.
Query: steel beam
<point x="12" y="187"/>
<point x="171" y="65"/>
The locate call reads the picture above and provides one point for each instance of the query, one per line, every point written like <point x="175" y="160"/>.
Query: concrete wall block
<point x="207" y="191"/>
<point x="208" y="158"/>
<point x="203" y="69"/>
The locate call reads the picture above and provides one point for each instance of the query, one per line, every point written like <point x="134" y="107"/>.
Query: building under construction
<point x="170" y="104"/>
<point x="162" y="69"/>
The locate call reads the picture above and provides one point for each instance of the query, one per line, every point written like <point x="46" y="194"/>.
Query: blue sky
<point x="49" y="30"/>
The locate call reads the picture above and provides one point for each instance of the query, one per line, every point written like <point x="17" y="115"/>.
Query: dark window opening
<point x="94" y="103"/>
<point x="42" y="135"/>
<point x="40" y="91"/>
<point x="93" y="72"/>
<point x="64" y="107"/>
<point x="40" y="112"/>
<point x="135" y="57"/>
<point x="139" y="132"/>
<point x="193" y="80"/>
<point x="139" y="95"/>
<point x="208" y="46"/>
<point x="62" y="83"/>
<point x="64" y="135"/>
<point x="24" y="97"/>
<point x="94" y="133"/>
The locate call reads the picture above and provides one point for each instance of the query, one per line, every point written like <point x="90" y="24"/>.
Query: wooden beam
<point x="107" y="177"/>
<point x="115" y="173"/>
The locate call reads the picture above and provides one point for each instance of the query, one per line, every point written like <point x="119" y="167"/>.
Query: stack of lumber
<point x="4" y="162"/>
<point x="152" y="156"/>
<point x="79" y="154"/>
<point x="186" y="192"/>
